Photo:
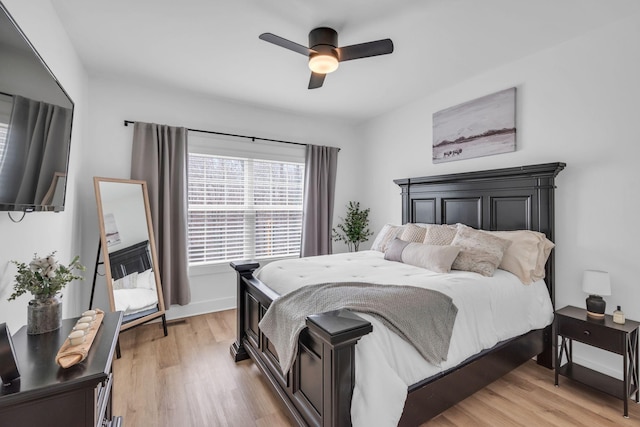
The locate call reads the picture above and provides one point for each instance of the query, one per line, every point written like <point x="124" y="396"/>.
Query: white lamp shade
<point x="595" y="282"/>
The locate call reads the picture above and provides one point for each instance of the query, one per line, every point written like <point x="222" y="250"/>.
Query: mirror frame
<point x="105" y="250"/>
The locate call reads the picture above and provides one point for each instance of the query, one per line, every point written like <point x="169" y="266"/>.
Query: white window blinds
<point x="6" y="104"/>
<point x="3" y="142"/>
<point x="242" y="207"/>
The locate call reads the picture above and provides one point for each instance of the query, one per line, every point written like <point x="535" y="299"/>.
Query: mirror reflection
<point x="35" y="126"/>
<point x="128" y="250"/>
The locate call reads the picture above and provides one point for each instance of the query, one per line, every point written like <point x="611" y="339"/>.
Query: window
<point x="3" y="142"/>
<point x="243" y="207"/>
<point x="6" y="104"/>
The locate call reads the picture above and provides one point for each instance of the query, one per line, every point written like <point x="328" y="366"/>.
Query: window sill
<point x="224" y="267"/>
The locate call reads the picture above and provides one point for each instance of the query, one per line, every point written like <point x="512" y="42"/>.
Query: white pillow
<point x="440" y="234"/>
<point x="527" y="255"/>
<point x="413" y="233"/>
<point x="386" y="236"/>
<point x="147" y="280"/>
<point x="126" y="282"/>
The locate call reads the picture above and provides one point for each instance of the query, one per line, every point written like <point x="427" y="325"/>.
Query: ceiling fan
<point x="324" y="53"/>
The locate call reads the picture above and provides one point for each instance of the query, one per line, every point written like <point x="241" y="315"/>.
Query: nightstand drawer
<point x="592" y="334"/>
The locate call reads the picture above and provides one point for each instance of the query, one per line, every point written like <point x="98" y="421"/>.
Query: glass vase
<point x="44" y="315"/>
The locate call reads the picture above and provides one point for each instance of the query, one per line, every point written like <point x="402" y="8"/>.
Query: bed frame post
<point x="317" y="390"/>
<point x="245" y="270"/>
<point x="339" y="332"/>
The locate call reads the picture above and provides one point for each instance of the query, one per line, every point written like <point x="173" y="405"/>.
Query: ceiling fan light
<point x="323" y="64"/>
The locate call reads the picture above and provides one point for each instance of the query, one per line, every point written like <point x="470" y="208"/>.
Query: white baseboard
<point x="200" y="307"/>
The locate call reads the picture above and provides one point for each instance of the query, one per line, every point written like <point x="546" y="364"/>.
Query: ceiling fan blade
<point x="316" y="80"/>
<point x="364" y="50"/>
<point x="287" y="44"/>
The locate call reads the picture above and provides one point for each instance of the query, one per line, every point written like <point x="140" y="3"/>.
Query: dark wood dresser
<point x="48" y="395"/>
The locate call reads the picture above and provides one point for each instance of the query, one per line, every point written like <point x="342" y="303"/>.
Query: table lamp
<point x="596" y="283"/>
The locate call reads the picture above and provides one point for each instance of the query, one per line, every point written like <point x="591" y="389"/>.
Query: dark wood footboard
<point x="318" y="389"/>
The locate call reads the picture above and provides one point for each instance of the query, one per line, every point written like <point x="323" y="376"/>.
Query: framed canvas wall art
<point x="482" y="127"/>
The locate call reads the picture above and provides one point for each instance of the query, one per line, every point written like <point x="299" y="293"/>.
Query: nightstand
<point x="572" y="323"/>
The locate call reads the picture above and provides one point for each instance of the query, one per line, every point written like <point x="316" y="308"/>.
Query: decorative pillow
<point x="126" y="282"/>
<point x="432" y="257"/>
<point x="436" y="258"/>
<point x="480" y="251"/>
<point x="527" y="255"/>
<point x="394" y="250"/>
<point x="413" y="233"/>
<point x="440" y="234"/>
<point x="385" y="236"/>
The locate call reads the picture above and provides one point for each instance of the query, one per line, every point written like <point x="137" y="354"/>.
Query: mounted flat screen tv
<point x="35" y="126"/>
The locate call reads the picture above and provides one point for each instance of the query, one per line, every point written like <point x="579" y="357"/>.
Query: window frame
<point x="200" y="143"/>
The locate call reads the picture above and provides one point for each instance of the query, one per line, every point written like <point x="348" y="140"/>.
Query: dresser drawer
<point x="592" y="334"/>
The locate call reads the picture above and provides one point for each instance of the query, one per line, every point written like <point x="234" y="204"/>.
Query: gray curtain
<point x="159" y="157"/>
<point x="36" y="148"/>
<point x="321" y="164"/>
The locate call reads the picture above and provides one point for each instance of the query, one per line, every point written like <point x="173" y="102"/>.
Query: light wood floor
<point x="188" y="379"/>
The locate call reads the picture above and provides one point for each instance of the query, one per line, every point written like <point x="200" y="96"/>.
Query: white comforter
<point x="490" y="310"/>
<point x="135" y="300"/>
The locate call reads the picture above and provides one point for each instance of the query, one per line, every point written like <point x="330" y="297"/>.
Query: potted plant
<point x="44" y="278"/>
<point x="354" y="228"/>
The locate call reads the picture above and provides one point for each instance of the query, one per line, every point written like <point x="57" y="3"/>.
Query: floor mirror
<point x="128" y="251"/>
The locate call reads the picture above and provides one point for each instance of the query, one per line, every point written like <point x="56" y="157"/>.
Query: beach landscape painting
<point x="482" y="127"/>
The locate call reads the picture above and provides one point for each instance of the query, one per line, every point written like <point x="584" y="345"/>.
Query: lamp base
<point x="596" y="306"/>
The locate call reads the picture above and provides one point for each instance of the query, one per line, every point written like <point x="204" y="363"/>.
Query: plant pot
<point x="44" y="315"/>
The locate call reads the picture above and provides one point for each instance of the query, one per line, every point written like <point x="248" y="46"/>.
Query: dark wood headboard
<point x="519" y="198"/>
<point x="135" y="258"/>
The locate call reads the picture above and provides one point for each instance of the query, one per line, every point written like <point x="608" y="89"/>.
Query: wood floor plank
<point x="189" y="379"/>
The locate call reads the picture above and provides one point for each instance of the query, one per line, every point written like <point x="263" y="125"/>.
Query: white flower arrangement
<point x="44" y="277"/>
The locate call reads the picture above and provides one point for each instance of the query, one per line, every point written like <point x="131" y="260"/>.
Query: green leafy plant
<point x="354" y="228"/>
<point x="44" y="277"/>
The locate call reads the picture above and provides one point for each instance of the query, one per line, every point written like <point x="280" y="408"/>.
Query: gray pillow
<point x="436" y="258"/>
<point x="394" y="250"/>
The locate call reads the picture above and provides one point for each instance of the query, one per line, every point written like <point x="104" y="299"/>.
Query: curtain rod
<point x="252" y="138"/>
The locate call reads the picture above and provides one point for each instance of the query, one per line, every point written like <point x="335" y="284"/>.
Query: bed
<point x="318" y="390"/>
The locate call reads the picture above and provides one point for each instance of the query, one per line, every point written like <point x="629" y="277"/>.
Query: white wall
<point x="576" y="103"/>
<point x="109" y="145"/>
<point x="128" y="214"/>
<point x="43" y="232"/>
<point x="22" y="74"/>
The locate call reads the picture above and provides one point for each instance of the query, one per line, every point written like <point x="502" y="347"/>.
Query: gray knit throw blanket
<point x="422" y="317"/>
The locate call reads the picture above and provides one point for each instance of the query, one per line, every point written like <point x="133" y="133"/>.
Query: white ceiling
<point x="211" y="47"/>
